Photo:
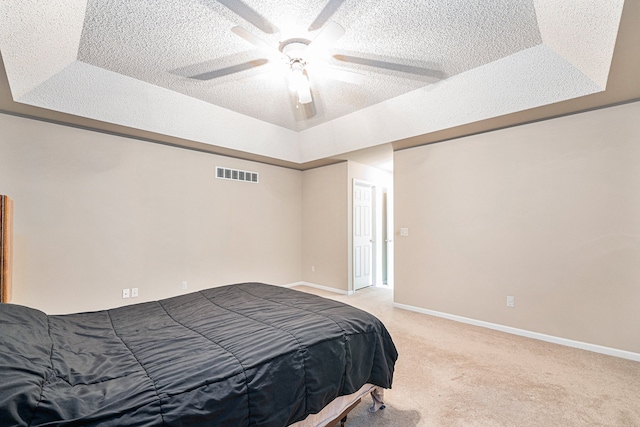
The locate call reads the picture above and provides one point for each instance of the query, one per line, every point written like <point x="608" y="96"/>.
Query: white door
<point x="362" y="235"/>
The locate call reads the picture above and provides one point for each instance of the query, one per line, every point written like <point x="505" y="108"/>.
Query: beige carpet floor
<point x="454" y="374"/>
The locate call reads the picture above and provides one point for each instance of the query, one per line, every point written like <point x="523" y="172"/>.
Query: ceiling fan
<point x="303" y="57"/>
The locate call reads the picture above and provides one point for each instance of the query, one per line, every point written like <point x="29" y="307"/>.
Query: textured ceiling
<point x="424" y="66"/>
<point x="163" y="42"/>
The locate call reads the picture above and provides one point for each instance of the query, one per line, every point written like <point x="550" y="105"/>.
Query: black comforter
<point x="239" y="355"/>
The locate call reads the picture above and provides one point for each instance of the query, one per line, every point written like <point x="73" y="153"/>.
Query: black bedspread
<point x="239" y="355"/>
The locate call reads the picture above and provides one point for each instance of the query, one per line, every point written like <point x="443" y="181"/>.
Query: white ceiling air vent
<point x="236" y="175"/>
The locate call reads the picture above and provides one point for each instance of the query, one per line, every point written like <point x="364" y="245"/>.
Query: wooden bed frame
<point x="336" y="412"/>
<point x="6" y="247"/>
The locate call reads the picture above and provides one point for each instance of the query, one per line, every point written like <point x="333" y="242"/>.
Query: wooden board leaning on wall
<point x="6" y="247"/>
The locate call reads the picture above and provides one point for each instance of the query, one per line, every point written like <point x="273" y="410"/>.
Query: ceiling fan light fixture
<point x="304" y="94"/>
<point x="296" y="77"/>
<point x="299" y="82"/>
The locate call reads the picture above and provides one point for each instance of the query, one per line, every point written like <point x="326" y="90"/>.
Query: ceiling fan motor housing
<point x="294" y="49"/>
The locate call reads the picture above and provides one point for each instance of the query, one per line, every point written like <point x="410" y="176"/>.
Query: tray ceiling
<point x="423" y="66"/>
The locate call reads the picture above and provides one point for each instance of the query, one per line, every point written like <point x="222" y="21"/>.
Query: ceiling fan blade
<point x="319" y="70"/>
<point x="393" y="66"/>
<point x="214" y="74"/>
<point x="344" y="75"/>
<point x="259" y="43"/>
<point x="302" y="112"/>
<point x="325" y="14"/>
<point x="325" y="39"/>
<point x="248" y="14"/>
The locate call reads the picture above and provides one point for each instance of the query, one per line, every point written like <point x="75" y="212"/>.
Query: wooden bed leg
<point x="342" y="418"/>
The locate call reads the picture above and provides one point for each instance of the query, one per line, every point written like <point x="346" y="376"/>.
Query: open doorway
<point x="371" y="224"/>
<point x="372" y="229"/>
<point x="387" y="241"/>
<point x="383" y="236"/>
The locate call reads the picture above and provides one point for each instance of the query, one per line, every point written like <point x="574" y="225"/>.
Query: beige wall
<point x="548" y="212"/>
<point x="325" y="228"/>
<point x="95" y="213"/>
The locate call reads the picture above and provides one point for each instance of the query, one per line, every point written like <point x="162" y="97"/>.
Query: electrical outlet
<point x="134" y="292"/>
<point x="511" y="301"/>
<point x="184" y="285"/>
<point x="313" y="268"/>
<point x="125" y="293"/>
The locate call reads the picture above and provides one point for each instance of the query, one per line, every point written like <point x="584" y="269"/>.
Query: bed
<point x="247" y="354"/>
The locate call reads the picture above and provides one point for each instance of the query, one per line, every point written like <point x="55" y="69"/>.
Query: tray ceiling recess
<point x="303" y="80"/>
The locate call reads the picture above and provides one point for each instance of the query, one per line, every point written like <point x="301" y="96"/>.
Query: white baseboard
<point x="291" y="285"/>
<point x="324" y="288"/>
<point x="522" y="332"/>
